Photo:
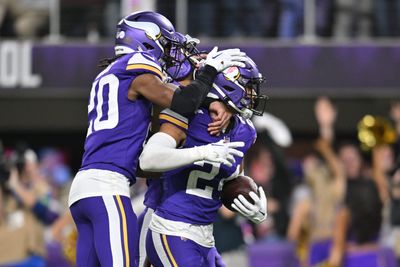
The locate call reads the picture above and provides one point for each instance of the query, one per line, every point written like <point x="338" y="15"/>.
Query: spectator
<point x="351" y="159"/>
<point x="21" y="233"/>
<point x="388" y="179"/>
<point x="387" y="176"/>
<point x="315" y="211"/>
<point x="300" y="223"/>
<point x="31" y="188"/>
<point x="358" y="222"/>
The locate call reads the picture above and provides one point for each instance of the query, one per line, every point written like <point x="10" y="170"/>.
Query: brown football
<point x="233" y="188"/>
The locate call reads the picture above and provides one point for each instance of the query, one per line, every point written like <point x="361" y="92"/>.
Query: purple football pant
<point x="168" y="250"/>
<point x="106" y="231"/>
<point x="143" y="226"/>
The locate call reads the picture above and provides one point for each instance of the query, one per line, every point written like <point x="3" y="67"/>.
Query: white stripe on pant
<point x="115" y="232"/>
<point x="143" y="234"/>
<point x="160" y="249"/>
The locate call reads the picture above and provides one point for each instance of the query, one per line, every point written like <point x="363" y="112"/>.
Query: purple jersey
<point x="153" y="195"/>
<point x="118" y="126"/>
<point x="191" y="194"/>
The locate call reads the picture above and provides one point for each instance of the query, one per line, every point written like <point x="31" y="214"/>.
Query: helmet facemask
<point x="179" y="59"/>
<point x="252" y="98"/>
<point x="240" y="91"/>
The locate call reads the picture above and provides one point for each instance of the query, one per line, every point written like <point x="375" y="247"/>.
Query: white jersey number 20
<point x="110" y="119"/>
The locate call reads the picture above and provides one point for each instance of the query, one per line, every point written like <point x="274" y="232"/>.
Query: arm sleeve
<point x="160" y="154"/>
<point x="187" y="99"/>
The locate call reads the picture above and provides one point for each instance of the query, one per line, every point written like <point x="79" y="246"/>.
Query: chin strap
<point x="245" y="113"/>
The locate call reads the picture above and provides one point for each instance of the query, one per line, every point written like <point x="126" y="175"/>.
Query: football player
<point x="181" y="228"/>
<point x="119" y="116"/>
<point x="183" y="74"/>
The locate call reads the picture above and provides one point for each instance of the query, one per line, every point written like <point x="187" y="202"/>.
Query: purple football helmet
<point x="147" y="31"/>
<point x="185" y="60"/>
<point x="239" y="88"/>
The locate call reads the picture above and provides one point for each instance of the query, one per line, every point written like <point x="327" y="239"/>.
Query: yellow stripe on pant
<point x="124" y="231"/>
<point x="171" y="257"/>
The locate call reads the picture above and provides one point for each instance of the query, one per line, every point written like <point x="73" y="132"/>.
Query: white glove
<point x="221" y="60"/>
<point x="190" y="39"/>
<point x="256" y="212"/>
<point x="221" y="152"/>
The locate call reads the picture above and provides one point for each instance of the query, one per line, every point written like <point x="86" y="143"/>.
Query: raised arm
<point x="185" y="100"/>
<point x="325" y="114"/>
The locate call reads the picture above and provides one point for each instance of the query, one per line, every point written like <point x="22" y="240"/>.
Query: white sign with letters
<point x="16" y="65"/>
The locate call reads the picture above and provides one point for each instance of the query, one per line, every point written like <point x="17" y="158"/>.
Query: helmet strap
<point x="244" y="112"/>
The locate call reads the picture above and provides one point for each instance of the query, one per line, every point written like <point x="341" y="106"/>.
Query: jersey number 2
<point x="192" y="184"/>
<point x="105" y="101"/>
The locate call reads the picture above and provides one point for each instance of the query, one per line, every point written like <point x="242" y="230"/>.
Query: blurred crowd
<point x="34" y="225"/>
<point x="284" y="19"/>
<point x="329" y="200"/>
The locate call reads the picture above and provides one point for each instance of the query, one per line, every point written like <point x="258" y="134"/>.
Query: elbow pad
<point x="188" y="99"/>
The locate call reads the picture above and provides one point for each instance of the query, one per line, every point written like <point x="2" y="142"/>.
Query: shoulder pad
<point x="144" y="61"/>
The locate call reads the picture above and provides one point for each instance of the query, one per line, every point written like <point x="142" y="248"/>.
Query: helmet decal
<point x="232" y="73"/>
<point x="145" y="31"/>
<point x="151" y="29"/>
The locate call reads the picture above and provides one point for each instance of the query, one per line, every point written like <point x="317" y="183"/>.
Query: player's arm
<point x="221" y="116"/>
<point x="161" y="152"/>
<point x="185" y="100"/>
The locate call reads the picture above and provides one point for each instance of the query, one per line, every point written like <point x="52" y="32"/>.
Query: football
<point x="242" y="185"/>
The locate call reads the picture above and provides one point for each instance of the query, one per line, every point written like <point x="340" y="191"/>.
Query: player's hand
<point x="221" y="152"/>
<point x="221" y="60"/>
<point x="221" y="116"/>
<point x="256" y="212"/>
